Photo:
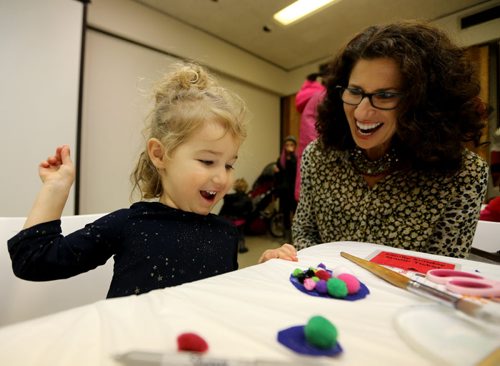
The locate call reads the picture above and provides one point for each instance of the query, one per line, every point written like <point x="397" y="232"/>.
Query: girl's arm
<point x="286" y="252"/>
<point x="57" y="174"/>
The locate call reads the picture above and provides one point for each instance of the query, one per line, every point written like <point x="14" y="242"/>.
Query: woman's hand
<point x="286" y="252"/>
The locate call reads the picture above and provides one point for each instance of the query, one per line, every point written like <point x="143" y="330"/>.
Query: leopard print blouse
<point x="430" y="213"/>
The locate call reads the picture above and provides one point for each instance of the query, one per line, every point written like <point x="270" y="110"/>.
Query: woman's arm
<point x="305" y="228"/>
<point x="57" y="174"/>
<point x="455" y="230"/>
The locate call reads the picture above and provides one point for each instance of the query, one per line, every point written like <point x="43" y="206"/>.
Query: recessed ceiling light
<point x="299" y="9"/>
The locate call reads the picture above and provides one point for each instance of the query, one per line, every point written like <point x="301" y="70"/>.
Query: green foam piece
<point x="336" y="288"/>
<point x="320" y="332"/>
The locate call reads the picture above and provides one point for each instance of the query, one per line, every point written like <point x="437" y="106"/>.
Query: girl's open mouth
<point x="208" y="195"/>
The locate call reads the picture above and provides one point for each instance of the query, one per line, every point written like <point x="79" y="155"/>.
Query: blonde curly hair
<point x="185" y="99"/>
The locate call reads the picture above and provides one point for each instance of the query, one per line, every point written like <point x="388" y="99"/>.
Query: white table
<point x="239" y="314"/>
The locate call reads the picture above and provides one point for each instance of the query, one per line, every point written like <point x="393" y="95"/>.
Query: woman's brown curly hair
<point x="440" y="110"/>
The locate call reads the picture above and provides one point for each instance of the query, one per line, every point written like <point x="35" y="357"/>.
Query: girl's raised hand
<point x="286" y="252"/>
<point x="57" y="174"/>
<point x="58" y="169"/>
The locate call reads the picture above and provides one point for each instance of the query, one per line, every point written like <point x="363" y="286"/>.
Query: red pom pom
<point x="191" y="342"/>
<point x="323" y="275"/>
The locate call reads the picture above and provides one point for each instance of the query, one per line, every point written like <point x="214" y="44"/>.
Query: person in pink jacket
<point x="306" y="101"/>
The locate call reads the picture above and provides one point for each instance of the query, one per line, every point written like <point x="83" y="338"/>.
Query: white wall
<point x="114" y="108"/>
<point x="140" y="23"/>
<point x="39" y="72"/>
<point x="133" y="20"/>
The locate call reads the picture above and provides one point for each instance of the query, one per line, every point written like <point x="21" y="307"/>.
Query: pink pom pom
<point x="351" y="282"/>
<point x="191" y="342"/>
<point x="309" y="284"/>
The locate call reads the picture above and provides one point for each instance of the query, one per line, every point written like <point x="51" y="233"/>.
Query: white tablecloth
<point x="238" y="313"/>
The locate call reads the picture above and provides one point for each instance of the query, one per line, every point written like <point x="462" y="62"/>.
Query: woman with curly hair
<point x="390" y="164"/>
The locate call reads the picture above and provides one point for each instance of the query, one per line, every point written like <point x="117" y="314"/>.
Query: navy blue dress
<point x="154" y="246"/>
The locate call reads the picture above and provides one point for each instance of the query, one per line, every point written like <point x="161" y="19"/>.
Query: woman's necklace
<point x="386" y="164"/>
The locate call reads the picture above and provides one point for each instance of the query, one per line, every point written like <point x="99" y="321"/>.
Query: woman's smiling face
<point x="372" y="129"/>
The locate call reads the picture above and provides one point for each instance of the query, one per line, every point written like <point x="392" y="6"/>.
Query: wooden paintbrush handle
<point x="390" y="276"/>
<point x="492" y="359"/>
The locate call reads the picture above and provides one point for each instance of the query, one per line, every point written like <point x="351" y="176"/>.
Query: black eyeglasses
<point x="384" y="100"/>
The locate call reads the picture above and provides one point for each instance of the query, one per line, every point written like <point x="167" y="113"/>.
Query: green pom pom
<point x="336" y="288"/>
<point x="320" y="332"/>
<point x="296" y="272"/>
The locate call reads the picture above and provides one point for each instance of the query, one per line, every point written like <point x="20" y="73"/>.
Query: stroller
<point x="266" y="215"/>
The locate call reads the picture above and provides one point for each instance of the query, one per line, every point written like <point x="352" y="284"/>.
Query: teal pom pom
<point x="336" y="288"/>
<point x="320" y="332"/>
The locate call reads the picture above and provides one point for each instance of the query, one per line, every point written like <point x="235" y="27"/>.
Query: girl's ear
<point x="156" y="152"/>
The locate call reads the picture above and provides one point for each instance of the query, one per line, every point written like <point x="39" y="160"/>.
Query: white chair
<point x="486" y="242"/>
<point x="22" y="300"/>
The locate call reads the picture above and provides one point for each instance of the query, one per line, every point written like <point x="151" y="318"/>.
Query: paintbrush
<point x="488" y="312"/>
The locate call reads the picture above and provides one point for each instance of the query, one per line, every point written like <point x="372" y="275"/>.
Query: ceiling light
<point x="299" y="9"/>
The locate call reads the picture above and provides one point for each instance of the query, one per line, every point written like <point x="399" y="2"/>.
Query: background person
<point x="285" y="173"/>
<point x="236" y="208"/>
<point x="390" y="165"/>
<point x="307" y="100"/>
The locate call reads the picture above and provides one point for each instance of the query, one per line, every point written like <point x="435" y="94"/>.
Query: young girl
<point x="195" y="131"/>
